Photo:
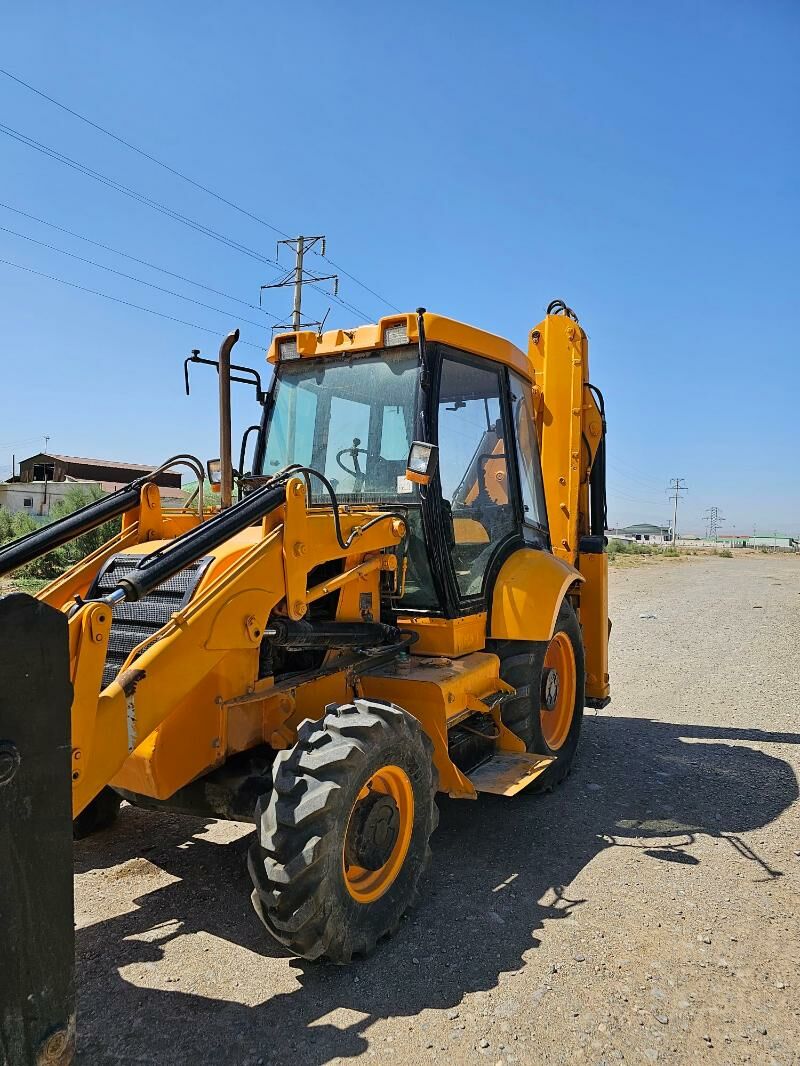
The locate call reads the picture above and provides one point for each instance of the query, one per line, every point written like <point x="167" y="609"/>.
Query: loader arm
<point x="211" y="646"/>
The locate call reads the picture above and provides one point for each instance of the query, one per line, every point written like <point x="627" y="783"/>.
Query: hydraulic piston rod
<point x="192" y="545"/>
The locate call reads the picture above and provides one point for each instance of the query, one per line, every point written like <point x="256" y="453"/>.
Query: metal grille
<point x="134" y="622"/>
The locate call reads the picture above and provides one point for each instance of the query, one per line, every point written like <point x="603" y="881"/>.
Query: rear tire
<point x="100" y="814"/>
<point x="522" y="664"/>
<point x="337" y="863"/>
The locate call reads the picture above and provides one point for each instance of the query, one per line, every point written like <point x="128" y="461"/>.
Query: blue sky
<point x="638" y="160"/>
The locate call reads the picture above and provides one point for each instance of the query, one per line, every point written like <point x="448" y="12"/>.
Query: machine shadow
<point x="501" y="872"/>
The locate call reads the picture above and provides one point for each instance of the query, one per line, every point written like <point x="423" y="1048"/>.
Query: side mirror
<point x="422" y="461"/>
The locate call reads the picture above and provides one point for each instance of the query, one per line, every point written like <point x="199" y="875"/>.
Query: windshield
<point x="353" y="420"/>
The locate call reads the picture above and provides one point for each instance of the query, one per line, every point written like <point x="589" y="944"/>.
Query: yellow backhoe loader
<point x="403" y="591"/>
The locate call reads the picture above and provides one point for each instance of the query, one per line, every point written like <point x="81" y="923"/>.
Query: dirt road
<point x="645" y="912"/>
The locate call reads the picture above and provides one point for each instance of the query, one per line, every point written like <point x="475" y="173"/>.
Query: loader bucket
<point x="37" y="991"/>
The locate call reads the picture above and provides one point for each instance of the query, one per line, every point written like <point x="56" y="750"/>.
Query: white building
<point x="45" y="479"/>
<point x="644" y="532"/>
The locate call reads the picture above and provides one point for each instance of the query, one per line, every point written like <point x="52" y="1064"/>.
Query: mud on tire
<point x="298" y="860"/>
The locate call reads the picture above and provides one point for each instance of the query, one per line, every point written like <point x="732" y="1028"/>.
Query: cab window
<point x="473" y="467"/>
<point x="534" y="512"/>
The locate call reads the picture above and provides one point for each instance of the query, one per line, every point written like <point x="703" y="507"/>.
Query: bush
<point x="52" y="565"/>
<point x="726" y="553"/>
<point x="630" y="547"/>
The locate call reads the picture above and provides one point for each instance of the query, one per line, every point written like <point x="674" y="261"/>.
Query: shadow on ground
<point x="494" y="861"/>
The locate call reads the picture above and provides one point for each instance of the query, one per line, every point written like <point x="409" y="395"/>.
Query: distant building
<point x="774" y="540"/>
<point x="731" y="540"/>
<point x="45" y="479"/>
<point x="643" y="532"/>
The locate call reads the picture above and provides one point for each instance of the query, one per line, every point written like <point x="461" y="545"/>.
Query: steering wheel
<point x="354" y="453"/>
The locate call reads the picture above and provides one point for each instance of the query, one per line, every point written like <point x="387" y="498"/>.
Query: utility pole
<point x="675" y="491"/>
<point x="298" y="276"/>
<point x="714" y="519"/>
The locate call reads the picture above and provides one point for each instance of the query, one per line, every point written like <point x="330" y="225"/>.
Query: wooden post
<point x="37" y="940"/>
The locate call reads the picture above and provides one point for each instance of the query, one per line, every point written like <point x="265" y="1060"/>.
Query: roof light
<point x="396" y="334"/>
<point x="288" y="349"/>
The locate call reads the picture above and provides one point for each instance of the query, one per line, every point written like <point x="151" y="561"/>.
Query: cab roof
<point x="364" y="338"/>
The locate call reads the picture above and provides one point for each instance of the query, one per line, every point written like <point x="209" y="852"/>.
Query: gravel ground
<point x="647" y="911"/>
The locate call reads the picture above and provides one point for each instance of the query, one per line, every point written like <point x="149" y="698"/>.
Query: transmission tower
<point x="675" y="491"/>
<point x="298" y="276"/>
<point x="713" y="521"/>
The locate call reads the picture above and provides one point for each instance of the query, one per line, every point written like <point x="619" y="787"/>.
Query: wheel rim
<point x="556" y="722"/>
<point x="379" y="825"/>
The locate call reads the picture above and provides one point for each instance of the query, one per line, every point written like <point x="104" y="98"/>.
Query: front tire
<point x="342" y="840"/>
<point x="100" y="814"/>
<point x="546" y="711"/>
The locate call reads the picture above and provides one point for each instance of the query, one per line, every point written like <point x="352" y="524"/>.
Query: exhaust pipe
<point x="225" y="456"/>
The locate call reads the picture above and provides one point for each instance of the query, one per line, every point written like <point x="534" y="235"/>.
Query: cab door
<point x="477" y="471"/>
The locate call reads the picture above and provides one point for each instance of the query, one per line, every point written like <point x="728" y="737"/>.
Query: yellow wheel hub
<point x="557" y="719"/>
<point x="378" y="834"/>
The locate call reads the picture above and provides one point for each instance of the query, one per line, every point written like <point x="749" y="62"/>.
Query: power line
<point x="184" y="177"/>
<point x="118" y="300"/>
<point x="15" y="443"/>
<point x="135" y="259"/>
<point x="633" y="475"/>
<point x="141" y="152"/>
<point x="117" y="186"/>
<point x="352" y="277"/>
<point x="129" y="277"/>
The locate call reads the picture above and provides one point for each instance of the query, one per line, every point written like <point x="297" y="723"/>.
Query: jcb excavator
<point x="404" y="593"/>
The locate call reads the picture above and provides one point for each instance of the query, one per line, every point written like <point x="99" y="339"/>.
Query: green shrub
<point x="54" y="563"/>
<point x="726" y="553"/>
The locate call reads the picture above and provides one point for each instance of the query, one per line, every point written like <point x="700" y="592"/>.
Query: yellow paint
<point x="212" y="639"/>
<point x="438" y="692"/>
<point x="446" y="636"/>
<point x="437" y="328"/>
<point x="556" y="722"/>
<point x="190" y="695"/>
<point x="469" y="531"/>
<point x="528" y="594"/>
<point x="365" y="886"/>
<point x="593" y="614"/>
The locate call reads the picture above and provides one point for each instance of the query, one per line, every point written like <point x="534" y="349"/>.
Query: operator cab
<point x="353" y="418"/>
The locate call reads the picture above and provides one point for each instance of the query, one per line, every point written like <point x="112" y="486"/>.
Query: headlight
<point x="288" y="349"/>
<point x="394" y="335"/>
<point x="422" y="462"/>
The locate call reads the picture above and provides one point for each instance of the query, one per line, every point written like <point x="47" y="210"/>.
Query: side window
<point x="473" y="468"/>
<point x="291" y="427"/>
<point x="530" y="468"/>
